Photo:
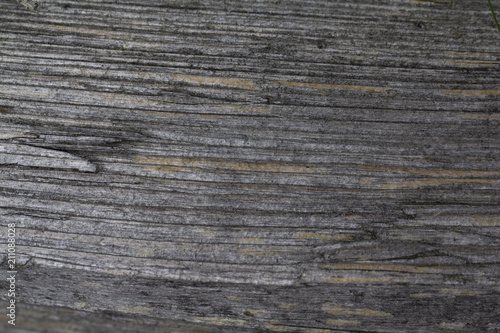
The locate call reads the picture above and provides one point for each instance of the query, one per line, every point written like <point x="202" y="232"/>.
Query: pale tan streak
<point x="320" y="236"/>
<point x="323" y="86"/>
<point x="220" y="321"/>
<point x="339" y="322"/>
<point x="216" y="81"/>
<point x="358" y="279"/>
<point x="455" y="54"/>
<point x="473" y="62"/>
<point x="391" y="268"/>
<point x="340" y="311"/>
<point x="276" y="326"/>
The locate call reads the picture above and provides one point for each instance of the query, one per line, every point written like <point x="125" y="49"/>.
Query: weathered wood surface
<point x="245" y="166"/>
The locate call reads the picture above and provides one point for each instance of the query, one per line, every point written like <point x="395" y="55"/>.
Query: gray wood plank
<point x="251" y="166"/>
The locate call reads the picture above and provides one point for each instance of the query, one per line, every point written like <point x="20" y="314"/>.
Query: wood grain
<point x="251" y="166"/>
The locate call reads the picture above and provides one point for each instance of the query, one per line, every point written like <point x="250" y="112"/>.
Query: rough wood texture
<point x="245" y="166"/>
